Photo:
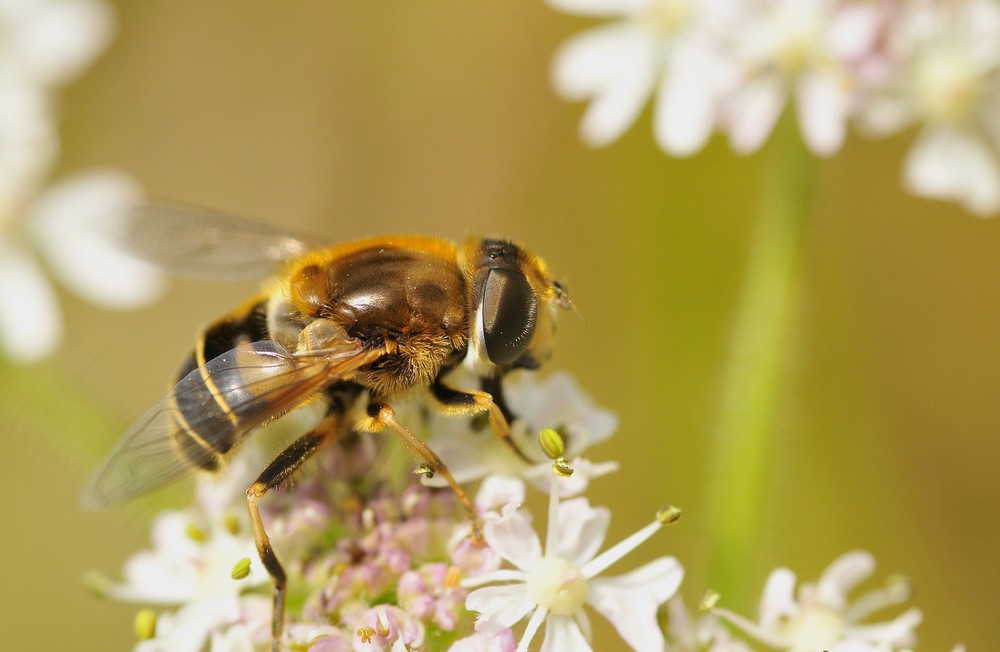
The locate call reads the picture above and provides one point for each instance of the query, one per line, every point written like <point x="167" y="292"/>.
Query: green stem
<point x="756" y="378"/>
<point x="43" y="404"/>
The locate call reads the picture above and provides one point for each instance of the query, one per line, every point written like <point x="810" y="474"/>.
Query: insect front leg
<point x="381" y="415"/>
<point x="461" y="403"/>
<point x="278" y="472"/>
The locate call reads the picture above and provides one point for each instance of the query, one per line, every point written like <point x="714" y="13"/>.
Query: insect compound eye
<point x="510" y="311"/>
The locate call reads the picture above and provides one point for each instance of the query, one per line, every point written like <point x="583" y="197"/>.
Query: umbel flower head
<point x="733" y="67"/>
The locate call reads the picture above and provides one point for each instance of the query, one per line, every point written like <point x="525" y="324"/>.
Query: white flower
<point x="948" y="79"/>
<point x="191" y="564"/>
<point x="555" y="402"/>
<point x="554" y="585"/>
<point x="66" y="225"/>
<point x="821" y="617"/>
<point x="50" y="41"/>
<point x="667" y="47"/>
<point x="704" y="633"/>
<point x="803" y="48"/>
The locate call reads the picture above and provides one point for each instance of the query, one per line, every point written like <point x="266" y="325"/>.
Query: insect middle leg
<point x="381" y="415"/>
<point x="278" y="472"/>
<point x="461" y="403"/>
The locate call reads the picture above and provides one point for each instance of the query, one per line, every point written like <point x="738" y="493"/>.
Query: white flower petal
<point x="580" y="532"/>
<point x="687" y="100"/>
<point x="512" y="537"/>
<point x="28" y="141"/>
<point x="898" y="631"/>
<point x="822" y="112"/>
<point x="616" y="66"/>
<point x="56" y="40"/>
<point x="753" y="112"/>
<point x="842" y="575"/>
<point x="948" y="164"/>
<point x="499" y="490"/>
<point x="631" y="601"/>
<point x="778" y="600"/>
<point x="853" y="29"/>
<point x="73" y="222"/>
<point x="562" y="634"/>
<point x="30" y="323"/>
<point x="599" y="8"/>
<point x="505" y="604"/>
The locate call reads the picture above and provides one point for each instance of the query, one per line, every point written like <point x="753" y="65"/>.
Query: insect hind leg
<point x="274" y="475"/>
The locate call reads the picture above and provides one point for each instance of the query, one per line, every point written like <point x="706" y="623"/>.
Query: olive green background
<point x="437" y="117"/>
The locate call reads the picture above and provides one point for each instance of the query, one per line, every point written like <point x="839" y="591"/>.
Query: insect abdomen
<point x="205" y="423"/>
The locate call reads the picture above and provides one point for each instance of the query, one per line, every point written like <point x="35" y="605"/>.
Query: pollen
<point x="453" y="577"/>
<point x="366" y="633"/>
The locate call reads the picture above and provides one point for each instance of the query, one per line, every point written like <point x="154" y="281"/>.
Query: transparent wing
<point x="200" y="242"/>
<point x="255" y="382"/>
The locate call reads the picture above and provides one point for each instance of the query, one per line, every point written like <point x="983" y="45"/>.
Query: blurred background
<point x="351" y="119"/>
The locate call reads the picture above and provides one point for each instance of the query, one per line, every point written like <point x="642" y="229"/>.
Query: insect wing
<point x="200" y="242"/>
<point x="211" y="409"/>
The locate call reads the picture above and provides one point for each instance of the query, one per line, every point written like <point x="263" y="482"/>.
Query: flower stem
<point x="760" y="351"/>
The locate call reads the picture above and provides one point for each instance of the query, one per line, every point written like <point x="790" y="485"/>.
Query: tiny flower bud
<point x="562" y="468"/>
<point x="899" y="587"/>
<point x="241" y="569"/>
<point x="98" y="583"/>
<point x="195" y="533"/>
<point x="668" y="515"/>
<point x="145" y="624"/>
<point x="708" y="600"/>
<point x="552" y="443"/>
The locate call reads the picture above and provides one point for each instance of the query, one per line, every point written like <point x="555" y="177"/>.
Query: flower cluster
<point x="733" y="66"/>
<point x="376" y="563"/>
<point x="45" y="44"/>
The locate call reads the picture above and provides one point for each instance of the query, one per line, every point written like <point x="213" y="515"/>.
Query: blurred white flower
<point x="821" y="617"/>
<point x="191" y="564"/>
<point x="68" y="225"/>
<point x="800" y="48"/>
<point x="701" y="633"/>
<point x="948" y="81"/>
<point x="668" y="47"/>
<point x="555" y="402"/>
<point x="49" y="42"/>
<point x="554" y="584"/>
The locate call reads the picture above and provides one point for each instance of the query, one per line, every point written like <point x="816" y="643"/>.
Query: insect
<point x="362" y="321"/>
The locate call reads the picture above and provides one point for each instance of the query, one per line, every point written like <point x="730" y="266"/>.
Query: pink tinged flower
<point x="947" y="77"/>
<point x="821" y="616"/>
<point x="386" y="628"/>
<point x="804" y="49"/>
<point x="490" y="637"/>
<point x="554" y="584"/>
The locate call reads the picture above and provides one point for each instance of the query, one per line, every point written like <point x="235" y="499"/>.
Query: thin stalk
<point x="756" y="378"/>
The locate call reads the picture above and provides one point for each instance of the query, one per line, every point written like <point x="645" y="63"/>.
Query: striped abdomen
<point x="207" y="416"/>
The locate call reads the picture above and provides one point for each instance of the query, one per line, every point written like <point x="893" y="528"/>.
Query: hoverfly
<point x="361" y="321"/>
